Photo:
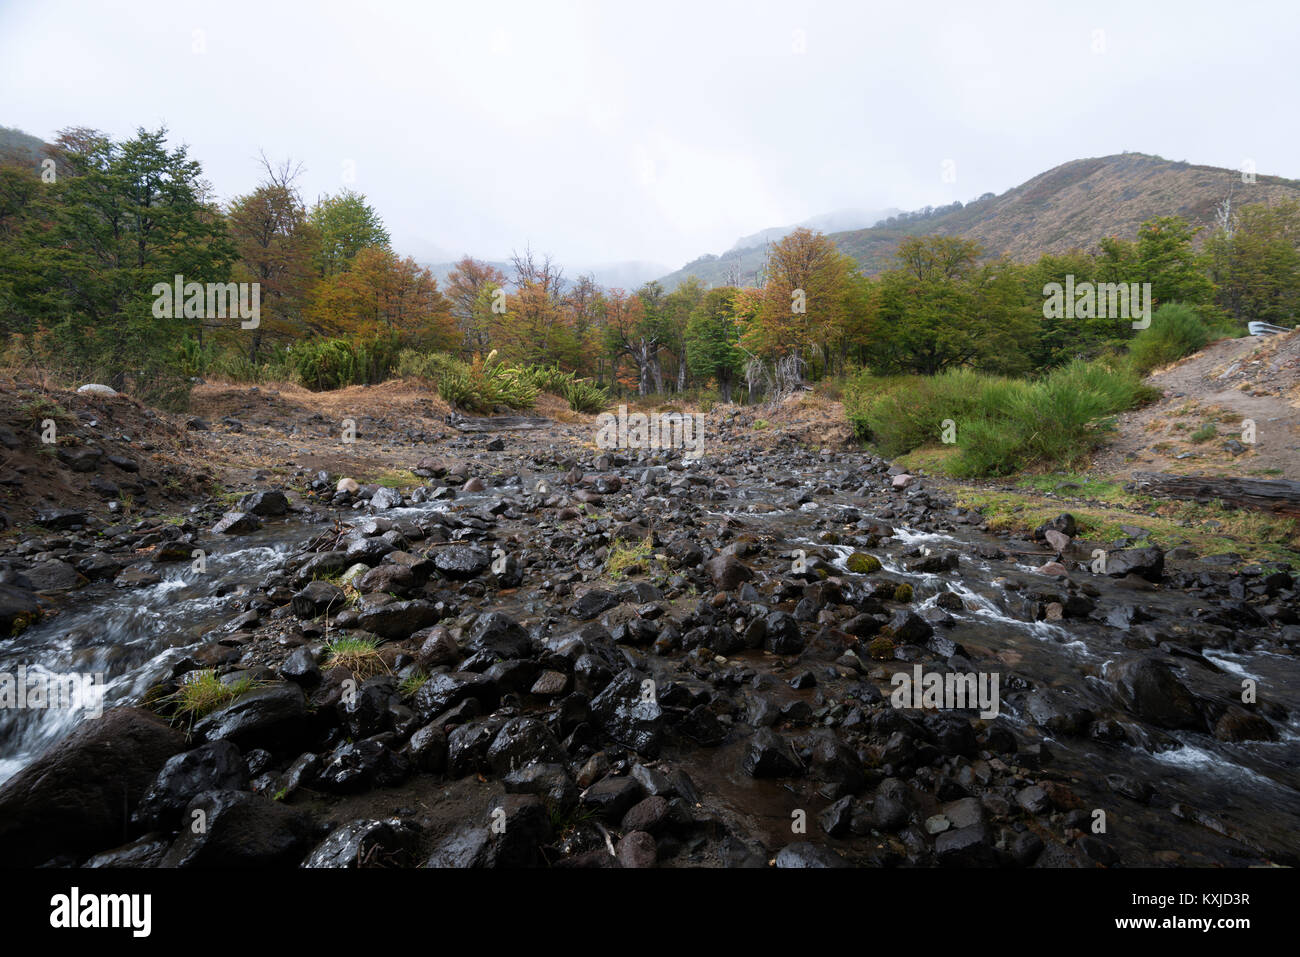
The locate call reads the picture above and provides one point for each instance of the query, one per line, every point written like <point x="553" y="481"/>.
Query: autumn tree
<point x="471" y="288"/>
<point x="803" y="302"/>
<point x="274" y="245"/>
<point x="1255" y="262"/>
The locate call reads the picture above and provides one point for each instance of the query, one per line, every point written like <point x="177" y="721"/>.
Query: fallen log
<point x="498" y="423"/>
<point x="1272" y="495"/>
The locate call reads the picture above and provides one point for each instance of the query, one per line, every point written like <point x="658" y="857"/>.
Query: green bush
<point x="324" y="364"/>
<point x="1175" y="331"/>
<point x="483" y="386"/>
<point x="1002" y="425"/>
<point x="413" y="364"/>
<point x="585" y="397"/>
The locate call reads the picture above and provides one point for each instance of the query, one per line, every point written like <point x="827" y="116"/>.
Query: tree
<point x="803" y="301"/>
<point x="1255" y="263"/>
<point x="274" y="244"/>
<point x="471" y="285"/>
<point x="384" y="296"/>
<point x="712" y="337"/>
<point x="344" y="225"/>
<point x="678" y="307"/>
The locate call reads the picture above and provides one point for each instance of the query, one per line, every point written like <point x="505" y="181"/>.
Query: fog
<point x="603" y="132"/>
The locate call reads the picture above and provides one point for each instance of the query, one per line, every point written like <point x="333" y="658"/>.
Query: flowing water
<point x="134" y="637"/>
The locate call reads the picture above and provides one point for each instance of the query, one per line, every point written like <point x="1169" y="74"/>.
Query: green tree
<point x="1256" y="264"/>
<point x="344" y="225"/>
<point x="712" y="340"/>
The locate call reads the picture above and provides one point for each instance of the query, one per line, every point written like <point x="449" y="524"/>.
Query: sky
<point x="610" y="131"/>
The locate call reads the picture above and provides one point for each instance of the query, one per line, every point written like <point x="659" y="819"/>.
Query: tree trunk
<point x="1281" y="496"/>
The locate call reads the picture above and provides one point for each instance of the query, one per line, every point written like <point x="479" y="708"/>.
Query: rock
<point x="399" y="619"/>
<point x="461" y="562"/>
<point x="594" y="602"/>
<point x="1058" y="540"/>
<point x="1237" y="724"/>
<point x="237" y="523"/>
<point x="637" y="849"/>
<point x="347" y="486"/>
<point x="1033" y="799"/>
<point x="966" y="847"/>
<point x="648" y="814"/>
<point x="317" y="598"/>
<point x="267" y="503"/>
<point x="57" y="519"/>
<point x="1053" y="569"/>
<point x="216" y="766"/>
<point x="54" y="576"/>
<point x="498" y="635"/>
<point x="550" y="782"/>
<point x="769" y="756"/>
<point x="727" y="571"/>
<point x="447" y="689"/>
<point x="271" y="717"/>
<point x="629" y="713"/>
<point x="1148" y="563"/>
<point x="902" y="481"/>
<point x="73" y="799"/>
<point x="385" y="498"/>
<point x="366" y="843"/>
<point x="359" y="765"/>
<point x="80" y="458"/>
<point x="18" y="609"/>
<point x="95" y="388"/>
<point x="239" y="830"/>
<point x="1151" y="690"/>
<point x="807" y="854"/>
<point x="145" y="851"/>
<point x="427" y="749"/>
<point x="612" y="796"/>
<point x="464" y="849"/>
<point x="521" y="741"/>
<point x="301" y="667"/>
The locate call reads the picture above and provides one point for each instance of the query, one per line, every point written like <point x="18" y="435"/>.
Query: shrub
<point x="1175" y="331"/>
<point x="585" y="397"/>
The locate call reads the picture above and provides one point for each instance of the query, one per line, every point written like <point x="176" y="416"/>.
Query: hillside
<point x="1074" y="205"/>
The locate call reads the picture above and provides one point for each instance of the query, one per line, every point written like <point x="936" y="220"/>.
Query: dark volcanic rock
<point x="1148" y="563"/>
<point x="75" y="798"/>
<point x="769" y="756"/>
<point x="1152" y="691"/>
<point x="216" y="766"/>
<point x="366" y="843"/>
<point x="239" y="830"/>
<point x="272" y="717"/>
<point x="807" y="854"/>
<point x="461" y="562"/>
<point x="629" y="713"/>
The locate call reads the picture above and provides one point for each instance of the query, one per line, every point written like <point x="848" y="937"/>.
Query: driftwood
<point x="1273" y="495"/>
<point x="499" y="423"/>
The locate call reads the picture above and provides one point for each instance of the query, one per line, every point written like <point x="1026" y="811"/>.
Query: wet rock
<point x="727" y="571"/>
<point x="301" y="667"/>
<point x="499" y="636"/>
<point x="1148" y="563"/>
<point x="266" y="503"/>
<point x="437" y="648"/>
<point x="237" y="523"/>
<point x="807" y="854"/>
<point x="53" y="576"/>
<point x="272" y="717"/>
<point x="80" y="459"/>
<point x="216" y="766"/>
<point x="399" y="619"/>
<point x="637" y="849"/>
<point x="521" y="741"/>
<point x="612" y="797"/>
<point x="447" y="689"/>
<point x="966" y="847"/>
<point x="317" y="598"/>
<point x="550" y="782"/>
<point x="366" y="843"/>
<point x="240" y="830"/>
<point x="359" y="765"/>
<point x="145" y="851"/>
<point x="769" y="756"/>
<point x="1237" y="724"/>
<point x="18" y="608"/>
<point x="72" y="799"/>
<point x="782" y="634"/>
<point x="1151" y="690"/>
<point x="594" y="602"/>
<point x="461" y="562"/>
<point x="628" y="712"/>
<point x="57" y="519"/>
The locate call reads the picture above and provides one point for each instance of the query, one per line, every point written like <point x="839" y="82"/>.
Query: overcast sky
<point x="657" y="131"/>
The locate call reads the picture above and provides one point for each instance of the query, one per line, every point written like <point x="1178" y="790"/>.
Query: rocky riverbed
<point x="592" y="659"/>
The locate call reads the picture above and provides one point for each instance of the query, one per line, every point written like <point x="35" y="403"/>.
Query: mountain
<point x="21" y="148"/>
<point x="838" y="221"/>
<point x="1071" y="206"/>
<point x="741" y="264"/>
